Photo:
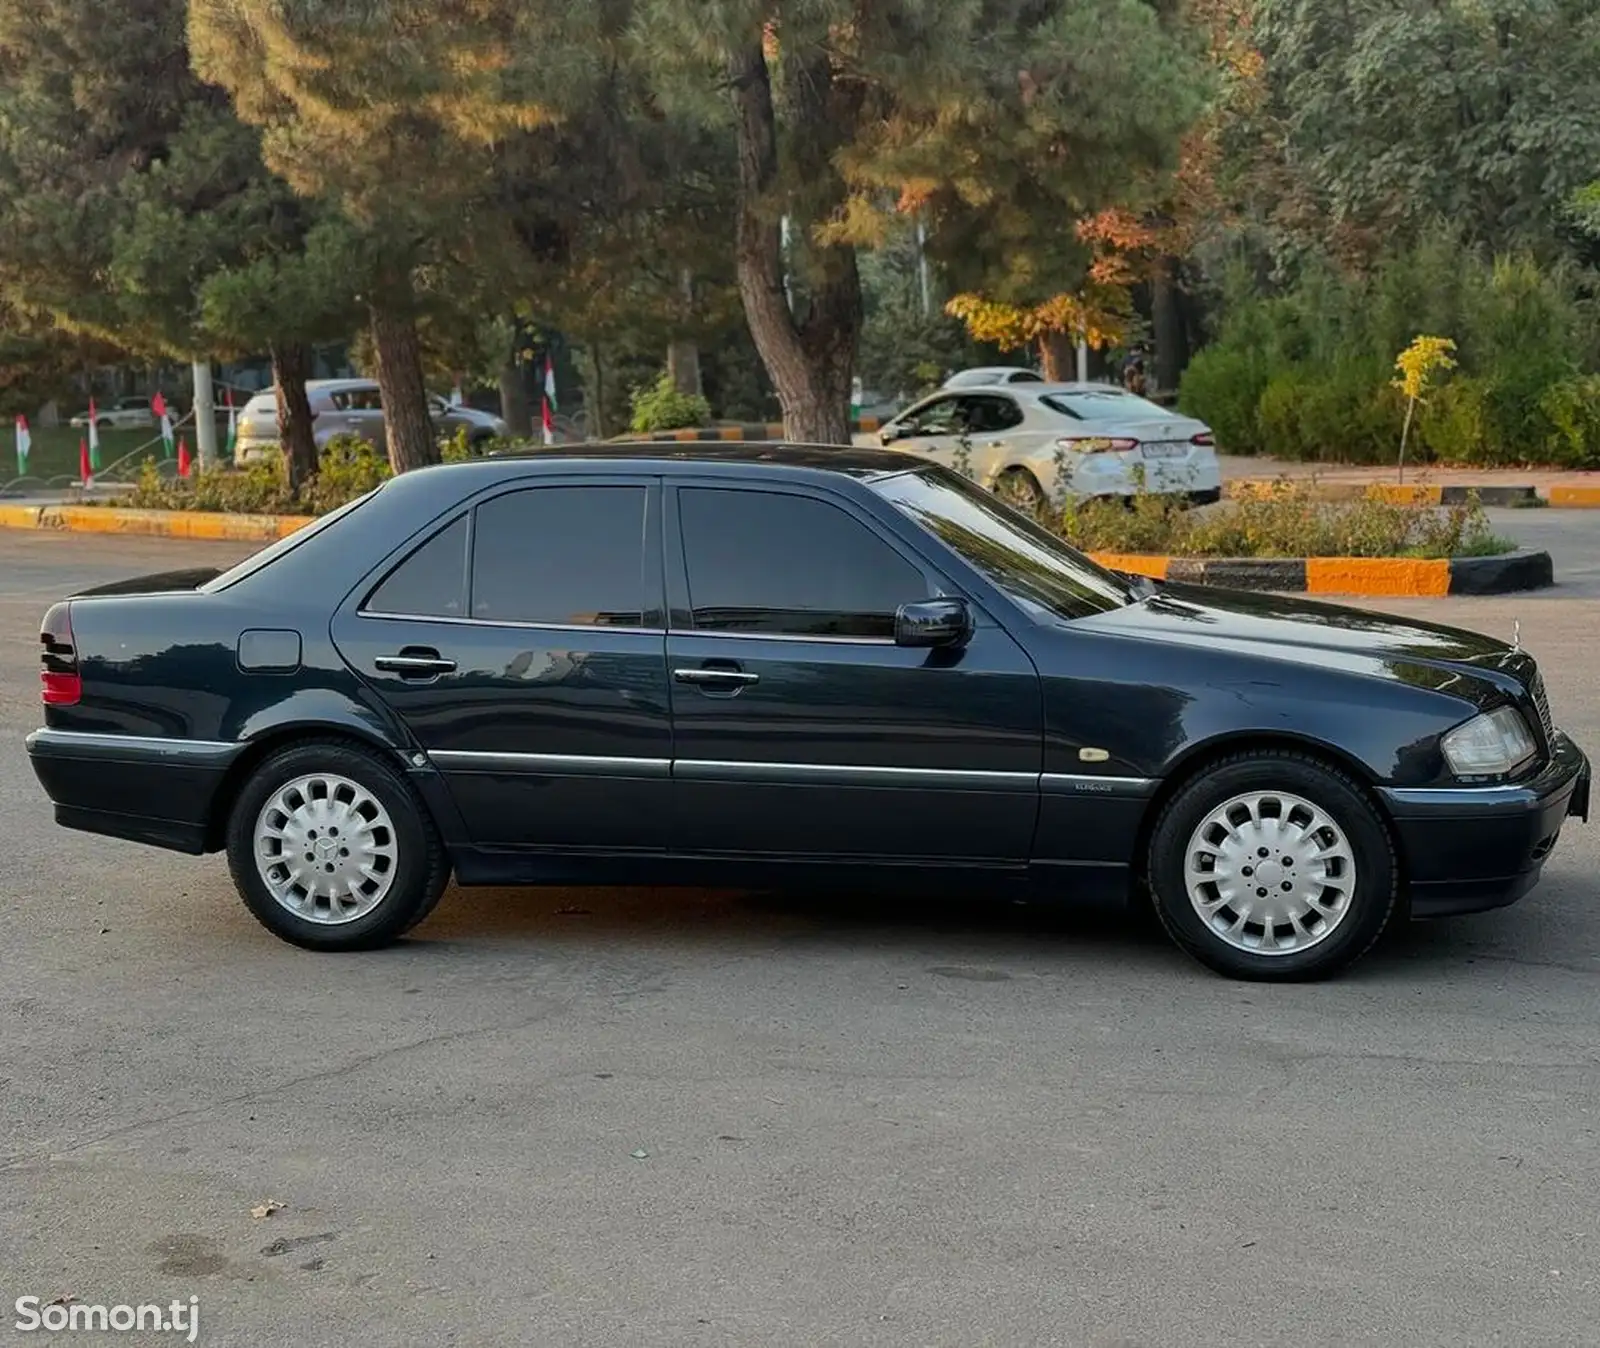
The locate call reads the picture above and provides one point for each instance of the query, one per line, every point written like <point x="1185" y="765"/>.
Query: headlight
<point x="1490" y="745"/>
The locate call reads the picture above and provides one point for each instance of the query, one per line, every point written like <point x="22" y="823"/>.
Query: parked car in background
<point x="986" y="376"/>
<point x="349" y="407"/>
<point x="1030" y="441"/>
<point x="751" y="664"/>
<point x="124" y="414"/>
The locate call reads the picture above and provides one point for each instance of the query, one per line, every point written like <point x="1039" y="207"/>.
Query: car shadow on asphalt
<point x="953" y="929"/>
<point x="949" y="924"/>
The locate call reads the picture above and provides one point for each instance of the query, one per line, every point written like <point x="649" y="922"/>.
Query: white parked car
<point x="1032" y="443"/>
<point x="987" y="376"/>
<point x="121" y="414"/>
<point x="348" y="407"/>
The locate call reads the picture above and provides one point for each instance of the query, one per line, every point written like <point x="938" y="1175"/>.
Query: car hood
<point x="159" y="582"/>
<point x="1326" y="635"/>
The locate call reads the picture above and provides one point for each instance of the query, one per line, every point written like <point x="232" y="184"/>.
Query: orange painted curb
<point x="1134" y="563"/>
<point x="1403" y="493"/>
<point x="1377" y="576"/>
<point x="1575" y="498"/>
<point x="212" y="525"/>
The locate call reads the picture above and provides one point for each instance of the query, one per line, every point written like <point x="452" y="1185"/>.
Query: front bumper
<point x="1469" y="849"/>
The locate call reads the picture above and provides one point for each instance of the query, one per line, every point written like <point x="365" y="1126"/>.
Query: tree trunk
<point x="594" y="393"/>
<point x="683" y="355"/>
<point x="516" y="408"/>
<point x="1166" y="318"/>
<point x="407" y="424"/>
<point x="1058" y="354"/>
<point x="291" y="367"/>
<point x="811" y="363"/>
<point x="683" y="365"/>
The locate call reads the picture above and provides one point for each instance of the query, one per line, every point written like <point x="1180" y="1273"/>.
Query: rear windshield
<point x="256" y="561"/>
<point x="1043" y="575"/>
<point x="1095" y="405"/>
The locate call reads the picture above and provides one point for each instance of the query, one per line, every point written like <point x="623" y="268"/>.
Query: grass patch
<point x="1282" y="521"/>
<point x="54" y="458"/>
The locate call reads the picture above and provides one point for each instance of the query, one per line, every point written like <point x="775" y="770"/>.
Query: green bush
<point x="347" y="467"/>
<point x="660" y="407"/>
<point x="1307" y="373"/>
<point x="1571" y="410"/>
<point x="1223" y="387"/>
<point x="1283" y="522"/>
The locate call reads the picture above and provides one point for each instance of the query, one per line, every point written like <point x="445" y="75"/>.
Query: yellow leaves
<point x="1099" y="315"/>
<point x="1420" y="362"/>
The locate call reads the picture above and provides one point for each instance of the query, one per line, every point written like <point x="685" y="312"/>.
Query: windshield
<point x="268" y="555"/>
<point x="1042" y="574"/>
<point x="1095" y="405"/>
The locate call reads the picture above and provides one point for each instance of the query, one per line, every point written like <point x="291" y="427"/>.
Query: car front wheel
<point x="1273" y="866"/>
<point x="330" y="848"/>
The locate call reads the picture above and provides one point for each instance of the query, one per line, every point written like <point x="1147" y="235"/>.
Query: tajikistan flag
<point x="24" y="444"/>
<point x="233" y="422"/>
<point x="94" y="437"/>
<point x="158" y="405"/>
<point x="549" y="407"/>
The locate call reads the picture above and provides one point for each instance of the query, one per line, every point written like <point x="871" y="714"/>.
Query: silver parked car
<point x="348" y="407"/>
<point x="1028" y="441"/>
<point x="122" y="414"/>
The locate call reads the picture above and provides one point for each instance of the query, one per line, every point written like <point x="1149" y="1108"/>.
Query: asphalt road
<point x="569" y="1118"/>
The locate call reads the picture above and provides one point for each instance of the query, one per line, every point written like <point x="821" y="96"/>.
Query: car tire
<point x="102" y="425"/>
<point x="1020" y="489"/>
<point x="1273" y="837"/>
<point x="366" y="833"/>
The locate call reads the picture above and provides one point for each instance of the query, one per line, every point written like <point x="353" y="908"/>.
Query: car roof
<point x="685" y="457"/>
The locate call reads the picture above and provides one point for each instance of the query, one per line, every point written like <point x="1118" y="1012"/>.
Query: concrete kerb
<point x="212" y="525"/>
<point x="1402" y="493"/>
<point x="1371" y="577"/>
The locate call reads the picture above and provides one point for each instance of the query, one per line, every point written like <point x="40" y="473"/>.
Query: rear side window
<point x="789" y="565"/>
<point x="431" y="582"/>
<point x="572" y="556"/>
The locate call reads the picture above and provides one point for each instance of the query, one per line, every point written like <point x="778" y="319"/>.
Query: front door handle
<point x="716" y="678"/>
<point x="416" y="662"/>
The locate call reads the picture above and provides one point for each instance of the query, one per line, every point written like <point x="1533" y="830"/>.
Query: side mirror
<point x="933" y="622"/>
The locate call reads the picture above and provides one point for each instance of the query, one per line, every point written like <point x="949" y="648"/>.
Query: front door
<point x="523" y="646"/>
<point x="801" y="730"/>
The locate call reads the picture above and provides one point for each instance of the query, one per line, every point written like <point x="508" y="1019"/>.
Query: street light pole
<point x="205" y="415"/>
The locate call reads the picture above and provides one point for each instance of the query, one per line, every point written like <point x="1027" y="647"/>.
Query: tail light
<point x="60" y="683"/>
<point x="1096" y="444"/>
<point x="1204" y="438"/>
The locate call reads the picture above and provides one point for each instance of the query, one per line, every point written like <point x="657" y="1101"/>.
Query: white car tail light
<point x="1096" y="444"/>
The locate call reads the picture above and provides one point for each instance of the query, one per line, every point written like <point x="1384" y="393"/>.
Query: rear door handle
<point x="415" y="663"/>
<point x="716" y="678"/>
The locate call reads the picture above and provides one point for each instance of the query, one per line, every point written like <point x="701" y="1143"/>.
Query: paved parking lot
<point x="634" y="1118"/>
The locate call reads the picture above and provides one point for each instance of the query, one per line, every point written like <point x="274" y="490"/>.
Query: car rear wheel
<point x="331" y="850"/>
<point x="1273" y="866"/>
<point x="1020" y="489"/>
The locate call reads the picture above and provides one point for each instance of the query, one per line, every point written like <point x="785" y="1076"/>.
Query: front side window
<point x="941" y="417"/>
<point x="786" y="565"/>
<point x="567" y="556"/>
<point x="1038" y="571"/>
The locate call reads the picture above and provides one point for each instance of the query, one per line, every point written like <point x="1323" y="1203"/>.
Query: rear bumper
<point x="144" y="789"/>
<point x="1470" y="849"/>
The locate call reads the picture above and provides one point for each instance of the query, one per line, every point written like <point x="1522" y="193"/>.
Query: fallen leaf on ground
<point x="266" y="1209"/>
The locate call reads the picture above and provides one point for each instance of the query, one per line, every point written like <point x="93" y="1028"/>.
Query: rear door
<point x="801" y="730"/>
<point x="522" y="643"/>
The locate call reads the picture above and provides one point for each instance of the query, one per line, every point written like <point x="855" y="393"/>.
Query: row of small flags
<point x="89" y="445"/>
